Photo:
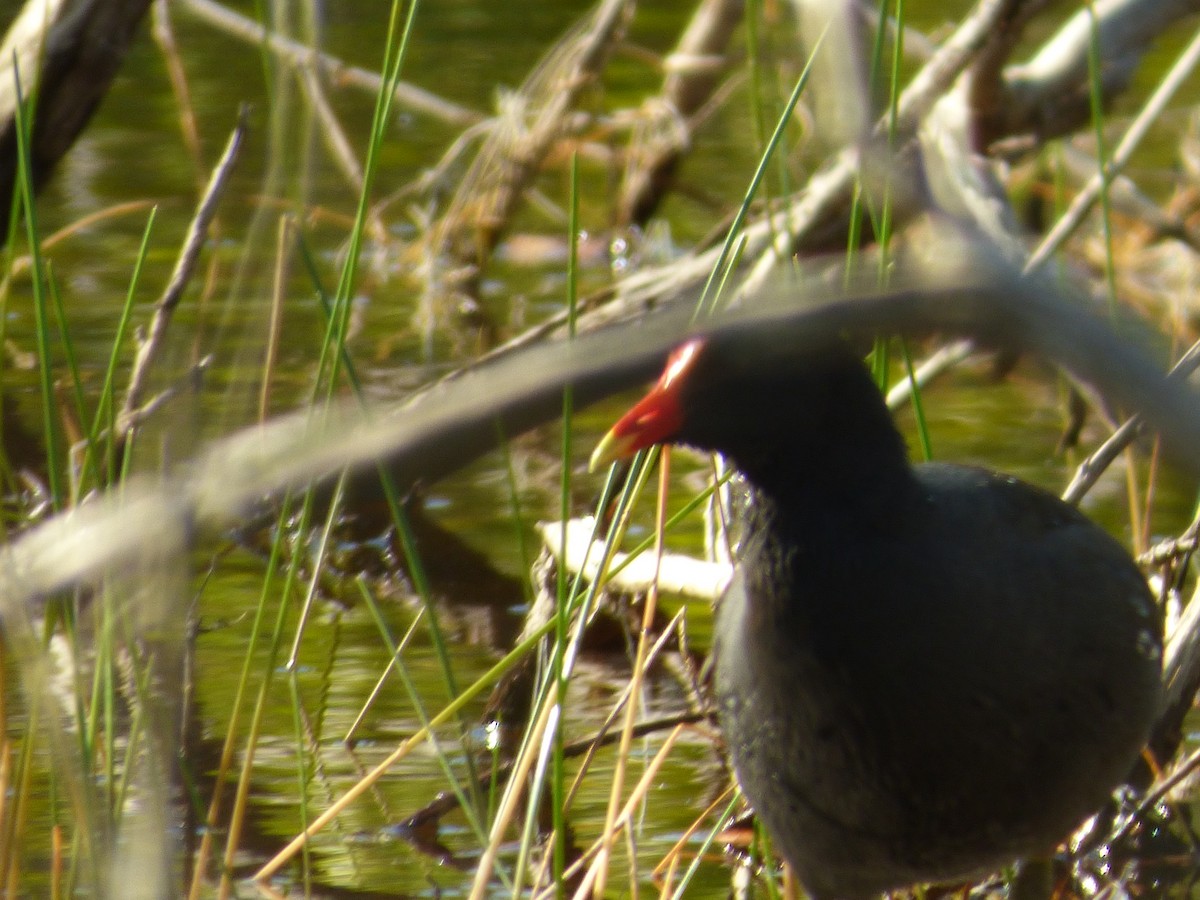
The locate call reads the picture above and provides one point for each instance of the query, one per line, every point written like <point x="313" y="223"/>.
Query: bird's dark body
<point x="887" y="740"/>
<point x="922" y="673"/>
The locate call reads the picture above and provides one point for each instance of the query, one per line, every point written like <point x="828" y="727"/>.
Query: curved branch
<point x="455" y="421"/>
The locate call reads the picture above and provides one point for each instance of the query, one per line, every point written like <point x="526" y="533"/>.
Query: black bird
<point x="924" y="672"/>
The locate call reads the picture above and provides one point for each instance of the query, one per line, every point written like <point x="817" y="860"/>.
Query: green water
<point x="467" y="53"/>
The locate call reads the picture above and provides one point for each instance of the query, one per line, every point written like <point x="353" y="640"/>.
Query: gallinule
<point x="922" y="672"/>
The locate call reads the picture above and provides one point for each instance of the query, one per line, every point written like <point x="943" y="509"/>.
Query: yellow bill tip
<point x="612" y="447"/>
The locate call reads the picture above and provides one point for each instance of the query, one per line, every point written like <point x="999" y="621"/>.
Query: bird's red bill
<point x="656" y="418"/>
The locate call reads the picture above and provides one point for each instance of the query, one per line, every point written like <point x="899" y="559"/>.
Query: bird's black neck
<point x="836" y="458"/>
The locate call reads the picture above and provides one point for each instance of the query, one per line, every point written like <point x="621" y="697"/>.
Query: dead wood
<point x="66" y="53"/>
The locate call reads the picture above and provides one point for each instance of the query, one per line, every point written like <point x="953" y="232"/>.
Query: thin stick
<point x="283" y="255"/>
<point x="419" y="736"/>
<point x="164" y="36"/>
<point x="339" y="146"/>
<point x="1093" y="467"/>
<point x="299" y="56"/>
<point x="625" y="815"/>
<point x="184" y="266"/>
<point x="599" y="869"/>
<point x="1085" y="199"/>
